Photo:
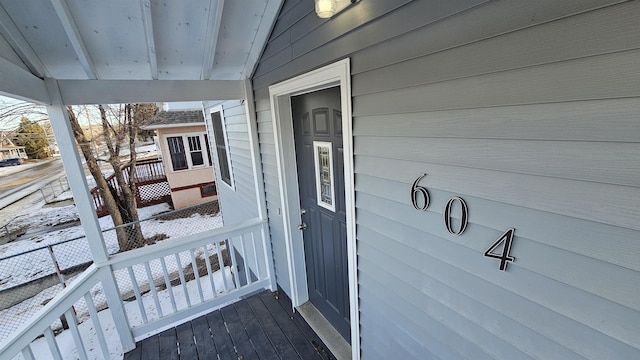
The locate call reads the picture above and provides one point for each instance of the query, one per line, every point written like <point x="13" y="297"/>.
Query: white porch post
<point x="75" y="172"/>
<point x="59" y="119"/>
<point x="261" y="201"/>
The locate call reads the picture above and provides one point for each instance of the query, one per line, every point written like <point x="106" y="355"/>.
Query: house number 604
<point x="420" y="200"/>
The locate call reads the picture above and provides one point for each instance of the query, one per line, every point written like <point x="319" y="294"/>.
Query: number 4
<point x="507" y="239"/>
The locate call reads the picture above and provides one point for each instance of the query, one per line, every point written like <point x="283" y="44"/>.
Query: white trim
<point x="185" y="144"/>
<point x="227" y="147"/>
<point x="336" y="74"/>
<point x="316" y="162"/>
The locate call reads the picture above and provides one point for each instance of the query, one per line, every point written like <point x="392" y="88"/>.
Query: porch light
<point x="328" y="8"/>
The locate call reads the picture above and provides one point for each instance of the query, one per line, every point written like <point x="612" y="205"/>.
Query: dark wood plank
<point x="279" y="340"/>
<point x="168" y="344"/>
<point x="303" y="347"/>
<point x="204" y="340"/>
<point x="305" y="329"/>
<point x="134" y="354"/>
<point x="256" y="333"/>
<point x="150" y="348"/>
<point x="238" y="334"/>
<point x="186" y="343"/>
<point x="221" y="337"/>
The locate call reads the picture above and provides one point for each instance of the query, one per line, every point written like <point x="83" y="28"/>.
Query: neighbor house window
<point x="220" y="136"/>
<point x="178" y="156"/>
<point x="195" y="149"/>
<point x="187" y="151"/>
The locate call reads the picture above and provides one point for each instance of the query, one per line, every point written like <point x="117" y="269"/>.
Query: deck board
<point x="256" y="327"/>
<point x="168" y="345"/>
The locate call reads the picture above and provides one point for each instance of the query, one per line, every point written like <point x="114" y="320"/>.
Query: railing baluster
<point x="182" y="279"/>
<point x="53" y="345"/>
<point x="245" y="260"/>
<point x="93" y="313"/>
<point x="136" y="290"/>
<point x="167" y="282"/>
<point x="234" y="263"/>
<point x="255" y="255"/>
<point x="27" y="354"/>
<point x="152" y="287"/>
<point x="207" y="262"/>
<point x="75" y="333"/>
<point x="225" y="286"/>
<point x="196" y="274"/>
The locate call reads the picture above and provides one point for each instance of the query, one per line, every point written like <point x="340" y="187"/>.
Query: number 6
<point x="417" y="189"/>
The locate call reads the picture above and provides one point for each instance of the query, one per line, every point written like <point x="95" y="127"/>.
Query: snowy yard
<point x="51" y="225"/>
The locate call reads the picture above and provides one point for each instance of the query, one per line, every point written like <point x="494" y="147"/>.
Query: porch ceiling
<point x="129" y="40"/>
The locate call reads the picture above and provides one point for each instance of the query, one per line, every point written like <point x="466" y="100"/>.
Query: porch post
<point x="78" y="183"/>
<point x="261" y="201"/>
<point x="75" y="172"/>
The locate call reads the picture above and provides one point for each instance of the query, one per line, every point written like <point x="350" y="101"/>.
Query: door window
<point x="323" y="158"/>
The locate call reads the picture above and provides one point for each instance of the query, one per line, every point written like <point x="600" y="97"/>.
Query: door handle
<point x="302" y="227"/>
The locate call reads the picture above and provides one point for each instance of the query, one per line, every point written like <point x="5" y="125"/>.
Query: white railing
<point x="146" y="290"/>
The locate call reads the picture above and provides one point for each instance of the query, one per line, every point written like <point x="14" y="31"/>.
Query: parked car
<point x="10" y="162"/>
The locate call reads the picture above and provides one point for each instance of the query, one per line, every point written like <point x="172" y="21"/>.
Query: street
<point x="19" y="185"/>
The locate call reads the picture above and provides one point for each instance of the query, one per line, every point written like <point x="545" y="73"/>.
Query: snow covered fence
<point x="53" y="189"/>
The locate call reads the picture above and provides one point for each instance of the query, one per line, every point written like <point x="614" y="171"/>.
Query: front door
<point x="317" y="123"/>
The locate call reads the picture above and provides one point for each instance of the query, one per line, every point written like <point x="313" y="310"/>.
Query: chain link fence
<point x="51" y="191"/>
<point x="29" y="279"/>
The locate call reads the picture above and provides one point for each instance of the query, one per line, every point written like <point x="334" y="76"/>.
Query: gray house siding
<point x="237" y="204"/>
<point x="530" y="112"/>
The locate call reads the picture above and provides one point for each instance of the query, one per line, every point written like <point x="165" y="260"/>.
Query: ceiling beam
<point x="269" y="17"/>
<point x="84" y="92"/>
<point x="12" y="34"/>
<point x="71" y="29"/>
<point x="19" y="83"/>
<point x="147" y="22"/>
<point x="211" y="40"/>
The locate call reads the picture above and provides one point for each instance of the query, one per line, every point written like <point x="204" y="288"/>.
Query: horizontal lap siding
<point x="239" y="204"/>
<point x="530" y="111"/>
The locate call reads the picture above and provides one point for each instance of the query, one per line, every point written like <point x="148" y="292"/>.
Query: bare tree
<point x="119" y="128"/>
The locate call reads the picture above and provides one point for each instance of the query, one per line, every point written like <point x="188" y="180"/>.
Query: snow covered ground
<point x="51" y="225"/>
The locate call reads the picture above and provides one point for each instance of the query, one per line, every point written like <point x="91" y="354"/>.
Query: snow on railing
<point x="147" y="289"/>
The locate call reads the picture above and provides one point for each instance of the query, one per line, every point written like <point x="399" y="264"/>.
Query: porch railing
<point x="146" y="290"/>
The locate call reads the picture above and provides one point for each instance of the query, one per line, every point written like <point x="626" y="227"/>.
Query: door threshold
<point x="338" y="346"/>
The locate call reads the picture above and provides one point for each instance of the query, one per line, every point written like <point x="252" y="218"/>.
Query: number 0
<point x="464" y="215"/>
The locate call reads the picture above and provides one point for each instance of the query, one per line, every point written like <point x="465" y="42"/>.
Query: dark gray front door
<point x="317" y="123"/>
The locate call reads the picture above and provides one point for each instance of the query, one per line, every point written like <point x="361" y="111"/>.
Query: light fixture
<point x="325" y="8"/>
<point x="328" y="8"/>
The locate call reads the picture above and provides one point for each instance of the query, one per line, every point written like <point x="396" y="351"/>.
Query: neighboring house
<point x="10" y="151"/>
<point x="439" y="179"/>
<point x="183" y="144"/>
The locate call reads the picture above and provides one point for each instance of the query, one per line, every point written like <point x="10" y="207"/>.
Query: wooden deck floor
<point x="257" y="327"/>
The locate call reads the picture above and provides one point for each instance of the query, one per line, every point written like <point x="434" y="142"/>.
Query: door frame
<point x="336" y="74"/>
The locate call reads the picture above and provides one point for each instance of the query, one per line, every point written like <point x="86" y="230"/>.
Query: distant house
<point x="184" y="147"/>
<point x="10" y="151"/>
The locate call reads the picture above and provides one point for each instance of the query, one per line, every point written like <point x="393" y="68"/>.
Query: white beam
<point x="71" y="29"/>
<point x="75" y="173"/>
<point x="18" y="83"/>
<point x="81" y="92"/>
<point x="211" y="40"/>
<point x="12" y="34"/>
<point x="147" y="22"/>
